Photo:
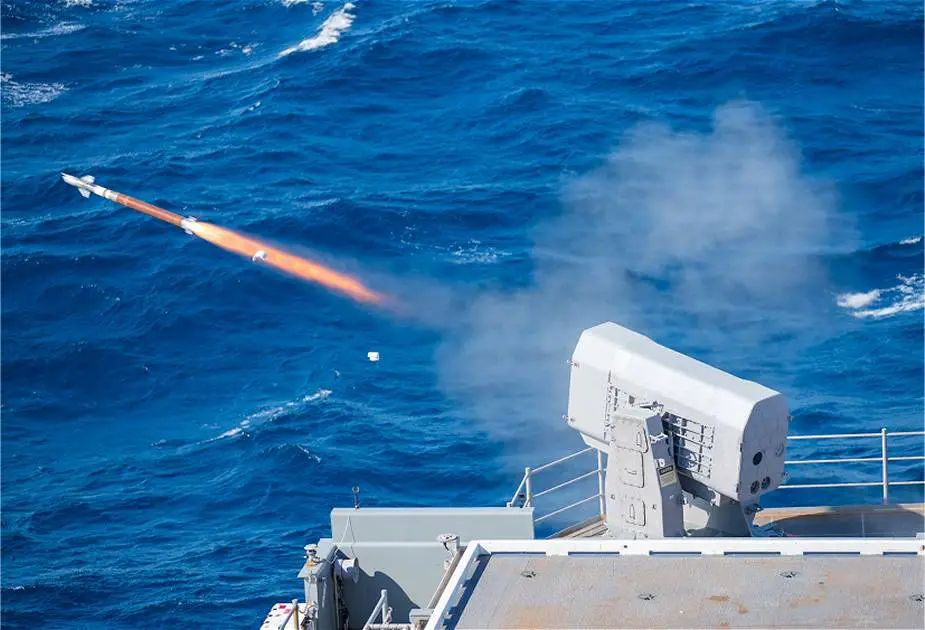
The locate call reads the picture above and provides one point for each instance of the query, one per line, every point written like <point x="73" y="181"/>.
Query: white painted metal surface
<point x="283" y="613"/>
<point x="729" y="433"/>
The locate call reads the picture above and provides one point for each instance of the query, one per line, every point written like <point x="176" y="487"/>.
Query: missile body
<point x="237" y="243"/>
<point x="86" y="186"/>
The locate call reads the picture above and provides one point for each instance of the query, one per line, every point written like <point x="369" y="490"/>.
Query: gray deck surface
<point x="596" y="591"/>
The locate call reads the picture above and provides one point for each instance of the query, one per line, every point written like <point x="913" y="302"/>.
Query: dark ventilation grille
<point x="692" y="443"/>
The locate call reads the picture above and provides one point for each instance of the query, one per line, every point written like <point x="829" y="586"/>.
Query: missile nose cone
<point x="70" y="179"/>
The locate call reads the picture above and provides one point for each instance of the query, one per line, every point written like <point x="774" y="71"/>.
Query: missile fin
<point x="84" y="193"/>
<point x="88" y="178"/>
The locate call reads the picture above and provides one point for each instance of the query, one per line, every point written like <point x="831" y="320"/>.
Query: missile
<point x="86" y="186"/>
<point x="237" y="243"/>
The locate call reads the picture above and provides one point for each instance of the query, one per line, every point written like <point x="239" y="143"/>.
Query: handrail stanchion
<point x="528" y="501"/>
<point x="293" y="614"/>
<point x="600" y="472"/>
<point x="886" y="478"/>
<point x="600" y="482"/>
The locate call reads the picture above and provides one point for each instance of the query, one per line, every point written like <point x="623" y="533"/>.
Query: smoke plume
<point x="695" y="239"/>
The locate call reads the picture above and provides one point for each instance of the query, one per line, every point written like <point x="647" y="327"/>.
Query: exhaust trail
<point x="232" y="241"/>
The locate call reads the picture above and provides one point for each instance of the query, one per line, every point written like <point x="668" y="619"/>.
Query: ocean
<point x="739" y="179"/>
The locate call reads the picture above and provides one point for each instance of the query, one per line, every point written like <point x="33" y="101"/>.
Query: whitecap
<point x="253" y="421"/>
<point x="905" y="297"/>
<point x="78" y="3"/>
<point x="59" y="29"/>
<point x="911" y="240"/>
<point x="858" y="300"/>
<point x="292" y="3"/>
<point x="321" y="394"/>
<point x="330" y="32"/>
<point x="230" y="433"/>
<point x="17" y="94"/>
<point x="309" y="453"/>
<point x="475" y="252"/>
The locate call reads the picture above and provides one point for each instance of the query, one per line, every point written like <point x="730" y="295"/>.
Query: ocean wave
<point x="879" y="303"/>
<point x="270" y="414"/>
<point x="17" y="94"/>
<point x="474" y="253"/>
<point x="317" y="6"/>
<point x="330" y="32"/>
<point x="64" y="28"/>
<point x="299" y="452"/>
<point x="913" y="240"/>
<point x="78" y="3"/>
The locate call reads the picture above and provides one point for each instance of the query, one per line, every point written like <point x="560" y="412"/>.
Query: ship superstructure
<point x="676" y="537"/>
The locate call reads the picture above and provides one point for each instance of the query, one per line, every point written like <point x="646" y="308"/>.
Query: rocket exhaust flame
<point x="239" y="244"/>
<point x="284" y="261"/>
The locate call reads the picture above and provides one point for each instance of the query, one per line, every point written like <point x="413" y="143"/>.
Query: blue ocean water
<point x="741" y="180"/>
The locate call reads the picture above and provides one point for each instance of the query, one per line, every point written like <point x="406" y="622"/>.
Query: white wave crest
<point x="59" y="29"/>
<point x="330" y="32"/>
<point x="474" y="252"/>
<point x="911" y="240"/>
<point x="270" y="414"/>
<point x="321" y="394"/>
<point x="858" y="300"/>
<point x="907" y="296"/>
<point x="309" y="453"/>
<point x="17" y="94"/>
<point x="317" y="6"/>
<point x="230" y="433"/>
<point x="78" y="3"/>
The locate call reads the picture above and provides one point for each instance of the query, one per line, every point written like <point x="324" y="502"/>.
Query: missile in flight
<point x="238" y="243"/>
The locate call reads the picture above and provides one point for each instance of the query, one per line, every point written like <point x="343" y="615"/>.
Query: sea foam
<point x="879" y="303"/>
<point x="329" y="33"/>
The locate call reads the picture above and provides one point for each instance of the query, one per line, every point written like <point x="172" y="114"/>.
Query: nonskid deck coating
<point x="510" y="591"/>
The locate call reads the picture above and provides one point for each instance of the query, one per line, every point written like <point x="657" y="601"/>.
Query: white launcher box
<point x="727" y="433"/>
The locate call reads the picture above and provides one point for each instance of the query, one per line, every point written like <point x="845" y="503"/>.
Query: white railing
<point x="884" y="459"/>
<point x="526" y="493"/>
<point x="382" y="608"/>
<point x="293" y="615"/>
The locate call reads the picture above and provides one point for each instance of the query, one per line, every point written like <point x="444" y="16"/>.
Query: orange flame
<point x="284" y="261"/>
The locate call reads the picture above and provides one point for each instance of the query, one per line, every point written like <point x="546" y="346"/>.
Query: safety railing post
<point x="885" y="465"/>
<point x="295" y="613"/>
<point x="600" y="483"/>
<point x="528" y="488"/>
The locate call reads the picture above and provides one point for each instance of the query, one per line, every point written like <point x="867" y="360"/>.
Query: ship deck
<point x="600" y="591"/>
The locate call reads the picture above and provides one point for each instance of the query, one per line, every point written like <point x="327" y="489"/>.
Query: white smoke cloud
<point x="710" y="237"/>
